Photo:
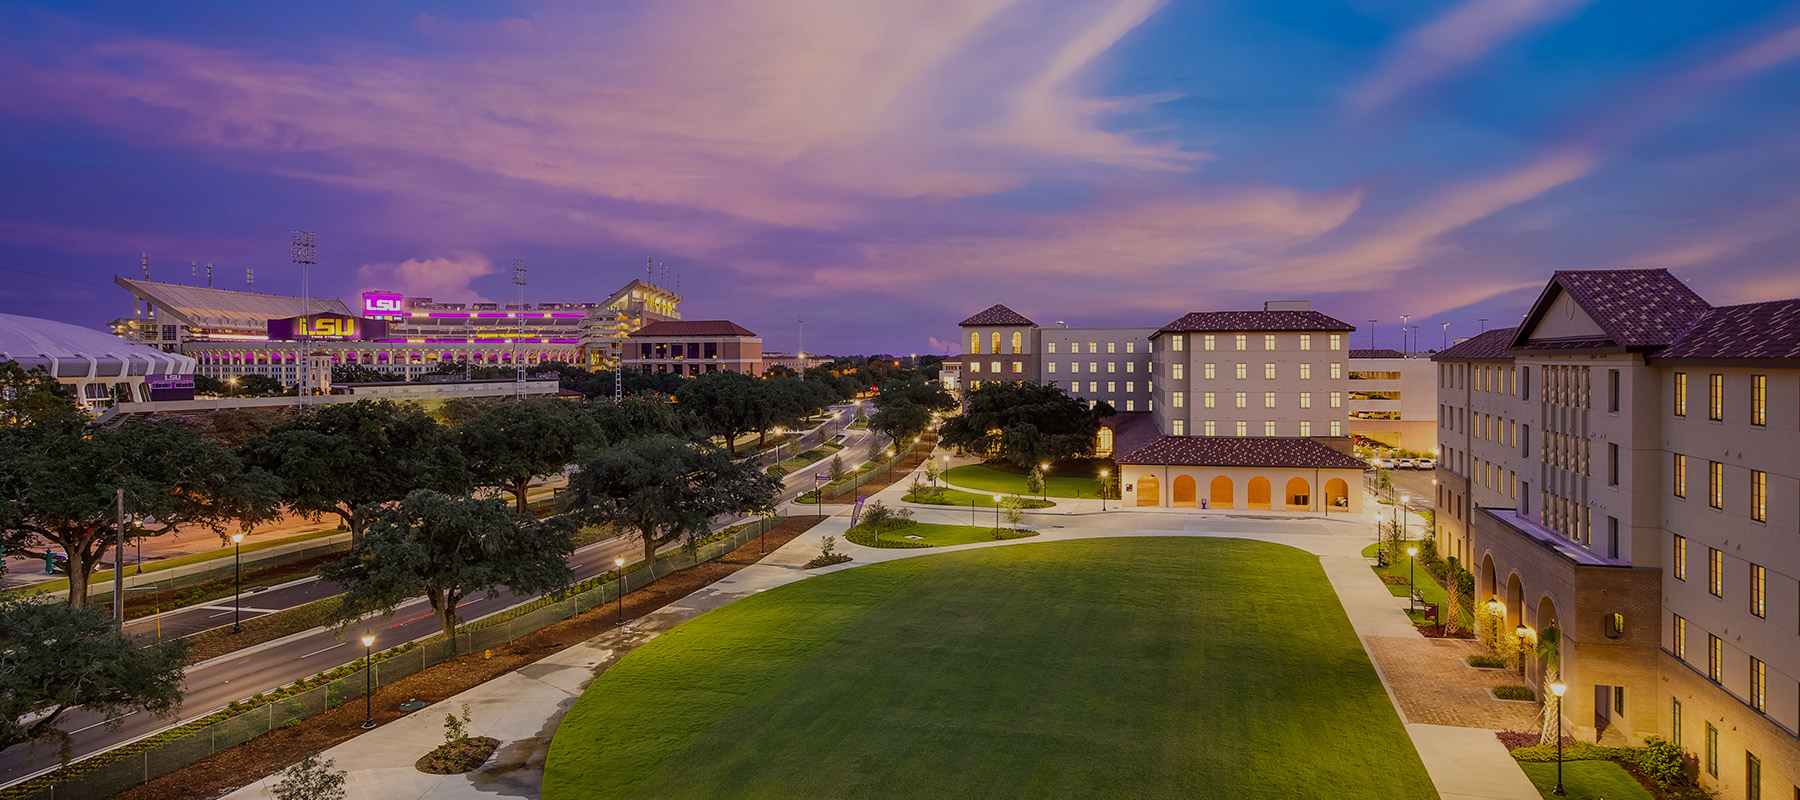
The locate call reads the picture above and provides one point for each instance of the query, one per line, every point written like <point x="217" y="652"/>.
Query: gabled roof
<point x="1377" y="353"/>
<point x="1640" y="309"/>
<point x="1752" y="330"/>
<point x="691" y="327"/>
<point x="205" y="307"/>
<point x="1489" y="346"/>
<point x="1261" y="321"/>
<point x="1236" y="451"/>
<point x="997" y="315"/>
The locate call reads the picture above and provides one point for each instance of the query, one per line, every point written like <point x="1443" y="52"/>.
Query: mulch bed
<point x="458" y="758"/>
<point x="1437" y="632"/>
<point x="269" y="753"/>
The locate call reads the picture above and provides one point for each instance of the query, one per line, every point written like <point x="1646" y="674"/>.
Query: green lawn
<point x="983" y="478"/>
<point x="958" y="497"/>
<point x="1141" y="668"/>
<point x="1427" y="585"/>
<point x="934" y="535"/>
<point x="1587" y="780"/>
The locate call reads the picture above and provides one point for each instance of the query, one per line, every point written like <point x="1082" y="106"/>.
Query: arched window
<point x="994" y="342"/>
<point x="1615" y="625"/>
<point x="1104" y="446"/>
<point x="1018" y="342"/>
<point x="974" y="342"/>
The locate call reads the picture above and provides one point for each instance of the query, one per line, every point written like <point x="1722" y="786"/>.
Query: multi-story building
<point x="1225" y="409"/>
<point x="1624" y="466"/>
<point x="694" y="347"/>
<point x="1393" y="399"/>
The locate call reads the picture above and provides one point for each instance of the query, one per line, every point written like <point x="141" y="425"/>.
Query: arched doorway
<point x="1298" y="494"/>
<point x="1149" y="492"/>
<point x="1337" y="494"/>
<point x="1261" y="493"/>
<point x="1514" y="600"/>
<point x="1221" y="493"/>
<point x="1182" y="494"/>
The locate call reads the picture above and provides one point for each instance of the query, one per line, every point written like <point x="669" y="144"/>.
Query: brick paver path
<point x="1433" y="686"/>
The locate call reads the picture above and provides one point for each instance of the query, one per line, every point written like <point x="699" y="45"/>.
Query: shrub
<point x="1661" y="759"/>
<point x="776" y="471"/>
<point x="1514" y="693"/>
<point x="1486" y="661"/>
<point x="1428" y="553"/>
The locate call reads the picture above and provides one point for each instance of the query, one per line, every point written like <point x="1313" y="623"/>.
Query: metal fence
<point x="805" y="442"/>
<point x="866" y="475"/>
<point x="109" y="773"/>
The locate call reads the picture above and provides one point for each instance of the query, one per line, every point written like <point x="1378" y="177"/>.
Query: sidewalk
<point x="523" y="709"/>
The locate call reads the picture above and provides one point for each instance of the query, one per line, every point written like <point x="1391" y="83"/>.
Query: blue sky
<point x="888" y="168"/>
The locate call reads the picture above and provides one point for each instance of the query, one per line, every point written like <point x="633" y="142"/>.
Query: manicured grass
<point x="1587" y="780"/>
<point x="106" y="575"/>
<point x="983" y="478"/>
<point x="1428" y="586"/>
<point x="934" y="535"/>
<point x="958" y="497"/>
<point x="1141" y="667"/>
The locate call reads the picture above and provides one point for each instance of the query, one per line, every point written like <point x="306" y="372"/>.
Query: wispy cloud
<point x="1463" y="35"/>
<point x="444" y="278"/>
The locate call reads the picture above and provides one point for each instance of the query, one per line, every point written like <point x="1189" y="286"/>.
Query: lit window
<point x="1211" y="342"/>
<point x="1680" y="557"/>
<point x="974" y="366"/>
<point x="1715" y="397"/>
<point x="1715" y="484"/>
<point x="1759" y="399"/>
<point x="1337" y="341"/>
<point x="1018" y="342"/>
<point x="1209" y="371"/>
<point x="1268" y="341"/>
<point x="1305" y="427"/>
<point x="1018" y="366"/>
<point x="1337" y="428"/>
<point x="1305" y="341"/>
<point x="1112" y="347"/>
<point x="1050" y="367"/>
<point x="1210" y="429"/>
<point x="1305" y="372"/>
<point x="1759" y="685"/>
<point x="1131" y="366"/>
<point x="1112" y="366"/>
<point x="1680" y="638"/>
<point x="1243" y="428"/>
<point x="1179" y="427"/>
<point x="1207" y="400"/>
<point x="1112" y="387"/>
<point x="1715" y="657"/>
<point x="1130" y="386"/>
<point x="1268" y="427"/>
<point x="1759" y="494"/>
<point x="1050" y="347"/>
<point x="1268" y="399"/>
<point x="1269" y="371"/>
<point x="1759" y="591"/>
<point x="1306" y="399"/>
<point x="1337" y="399"/>
<point x="1243" y="341"/>
<point x="1178" y="400"/>
<point x="994" y="366"/>
<point x="1243" y="370"/>
<point x="994" y="343"/>
<point x="1176" y="342"/>
<point x="1680" y="475"/>
<point x="1075" y="366"/>
<point x="1712" y="747"/>
<point x="973" y="385"/>
<point x="1715" y="571"/>
<point x="1337" y="372"/>
<point x="1178" y="370"/>
<point x="1131" y="347"/>
<point x="1680" y="394"/>
<point x="1093" y="347"/>
<point x="1093" y="386"/>
<point x="974" y="343"/>
<point x="1130" y="405"/>
<point x="1243" y="400"/>
<point x="1094" y="367"/>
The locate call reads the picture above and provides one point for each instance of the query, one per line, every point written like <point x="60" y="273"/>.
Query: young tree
<point x="1014" y="510"/>
<point x="515" y="442"/>
<point x="348" y="459"/>
<point x="55" y="657"/>
<point x="310" y="778"/>
<point x="726" y="404"/>
<point x="931" y="471"/>
<point x="447" y="548"/>
<point x="60" y="481"/>
<point x="836" y="469"/>
<point x="1025" y="424"/>
<point x="666" y="489"/>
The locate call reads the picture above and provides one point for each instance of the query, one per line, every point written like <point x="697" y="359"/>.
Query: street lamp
<point x="1521" y="631"/>
<point x="619" y="566"/>
<point x="237" y="577"/>
<point x="1495" y="609"/>
<point x="368" y="681"/>
<point x="1404" y="499"/>
<point x="996" y="515"/>
<point x="1558" y="689"/>
<point x="1044" y="480"/>
<point x="1103" y="474"/>
<point x="1410" y="592"/>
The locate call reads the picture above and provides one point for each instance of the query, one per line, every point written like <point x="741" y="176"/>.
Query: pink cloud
<point x="438" y="278"/>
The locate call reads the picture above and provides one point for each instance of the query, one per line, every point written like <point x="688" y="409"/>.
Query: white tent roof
<point x="71" y="351"/>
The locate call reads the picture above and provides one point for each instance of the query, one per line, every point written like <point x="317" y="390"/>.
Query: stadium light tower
<point x="518" y="278"/>
<point x="306" y="254"/>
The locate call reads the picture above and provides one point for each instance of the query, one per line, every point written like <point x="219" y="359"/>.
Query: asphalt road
<point x="213" y="684"/>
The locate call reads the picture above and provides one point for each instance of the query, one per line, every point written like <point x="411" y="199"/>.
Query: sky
<point x="888" y="167"/>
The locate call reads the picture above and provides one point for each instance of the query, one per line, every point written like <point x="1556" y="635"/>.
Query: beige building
<point x="1393" y="399"/>
<point x="694" y="347"/>
<point x="1625" y="465"/>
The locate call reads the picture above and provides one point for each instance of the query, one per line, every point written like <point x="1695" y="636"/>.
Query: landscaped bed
<point x="983" y="478"/>
<point x="957" y="497"/>
<point x="925" y="534"/>
<point x="1656" y="771"/>
<point x="1140" y="667"/>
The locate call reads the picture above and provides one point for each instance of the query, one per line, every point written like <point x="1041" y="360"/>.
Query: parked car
<point x="1406" y="463"/>
<point x="1426" y="463"/>
<point x="1383" y="463"/>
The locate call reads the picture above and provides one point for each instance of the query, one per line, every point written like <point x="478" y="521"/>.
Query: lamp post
<point x="1103" y="474"/>
<point x="1404" y="499"/>
<point x="1495" y="609"/>
<point x="368" y="681"/>
<point x="1044" y="480"/>
<point x="1558" y="689"/>
<point x="1521" y="631"/>
<point x="996" y="515"/>
<point x="619" y="566"/>
<point x="237" y="578"/>
<point x="946" y="463"/>
<point x="1411" y="592"/>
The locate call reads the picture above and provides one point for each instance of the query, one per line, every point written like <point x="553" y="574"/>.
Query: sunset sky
<point x="889" y="167"/>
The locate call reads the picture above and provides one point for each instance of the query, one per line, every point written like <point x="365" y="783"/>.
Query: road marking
<point x="320" y="650"/>
<point x="245" y="608"/>
<point x="101" y="722"/>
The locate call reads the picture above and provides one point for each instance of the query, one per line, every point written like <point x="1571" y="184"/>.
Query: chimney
<point x="1287" y="305"/>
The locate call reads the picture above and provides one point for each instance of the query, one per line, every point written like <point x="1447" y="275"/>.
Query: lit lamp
<point x="619" y="566"/>
<point x="1103" y="474"/>
<point x="237" y="578"/>
<point x="1521" y="631"/>
<point x="1558" y="689"/>
<point x="996" y="515"/>
<point x="1044" y="474"/>
<point x="368" y="681"/>
<point x="1401" y="513"/>
<point x="1496" y="609"/>
<point x="1411" y="553"/>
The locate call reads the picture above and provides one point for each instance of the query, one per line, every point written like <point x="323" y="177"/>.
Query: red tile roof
<point x="1639" y="309"/>
<point x="1234" y="451"/>
<point x="1377" y="353"/>
<point x="998" y="315"/>
<point x="1490" y="346"/>
<point x="1752" y="330"/>
<point x="692" y="327"/>
<point x="1236" y="321"/>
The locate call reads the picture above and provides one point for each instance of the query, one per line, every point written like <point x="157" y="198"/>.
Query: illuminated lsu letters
<point x="382" y="304"/>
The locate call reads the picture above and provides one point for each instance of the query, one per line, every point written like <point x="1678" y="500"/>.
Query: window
<point x="1680" y="475"/>
<point x="1112" y="366"/>
<point x="1337" y="371"/>
<point x="1130" y="405"/>
<point x="1305" y="341"/>
<point x="1212" y="342"/>
<point x="1131" y="366"/>
<point x="1337" y="341"/>
<point x="1680" y="558"/>
<point x="1675" y="721"/>
<point x="1268" y="341"/>
<point x="1177" y="341"/>
<point x="1018" y="366"/>
<point x="974" y="343"/>
<point x="1305" y="427"/>
<point x="1337" y="399"/>
<point x="1715" y="571"/>
<point x="1243" y="428"/>
<point x="1758" y="684"/>
<point x="1759" y="399"/>
<point x="1243" y="400"/>
<point x="1759" y="495"/>
<point x="1305" y="372"/>
<point x="1210" y="429"/>
<point x="994" y="343"/>
<point x="973" y="385"/>
<point x="974" y="366"/>
<point x="1680" y="637"/>
<point x="1050" y="347"/>
<point x="1178" y="400"/>
<point x="1759" y="591"/>
<point x="1337" y="428"/>
<point x="1269" y="371"/>
<point x="1615" y="625"/>
<point x="1112" y="347"/>
<point x="1131" y="347"/>
<point x="1268" y="427"/>
<point x="1093" y="347"/>
<point x="1715" y="656"/>
<point x="1612" y="464"/>
<point x="1209" y="370"/>
<point x="1018" y="343"/>
<point x="1306" y="399"/>
<point x="1208" y="399"/>
<point x="1612" y="536"/>
<point x="1075" y="366"/>
<point x="1112" y="387"/>
<point x="994" y="366"/>
<point x="1715" y="484"/>
<point x="1612" y="380"/>
<point x="1094" y="366"/>
<point x="1130" y="386"/>
<point x="1093" y="386"/>
<point x="1712" y="750"/>
<point x="1268" y="399"/>
<point x="1243" y="370"/>
<point x="1715" y="397"/>
<point x="1243" y="341"/>
<point x="1179" y="427"/>
<point x="1050" y="367"/>
<point x="1177" y="370"/>
<point x="1680" y="394"/>
<point x="1752" y="772"/>
<point x="1524" y="383"/>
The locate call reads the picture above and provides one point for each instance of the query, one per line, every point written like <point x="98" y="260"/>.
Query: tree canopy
<point x="512" y="443"/>
<point x="55" y="657"/>
<point x="665" y="489"/>
<point x="1025" y="424"/>
<point x="446" y="548"/>
<point x="726" y="404"/>
<point x="30" y="396"/>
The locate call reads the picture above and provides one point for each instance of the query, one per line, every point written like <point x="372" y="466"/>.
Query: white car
<point x="1425" y="463"/>
<point x="1383" y="463"/>
<point x="1406" y="463"/>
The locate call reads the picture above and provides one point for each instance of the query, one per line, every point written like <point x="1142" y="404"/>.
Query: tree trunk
<point x="81" y="569"/>
<point x="519" y="491"/>
<point x="650" y="545"/>
<point x="445" y="605"/>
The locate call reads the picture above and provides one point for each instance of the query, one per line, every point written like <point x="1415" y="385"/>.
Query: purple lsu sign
<point x="382" y="304"/>
<point x="327" y="326"/>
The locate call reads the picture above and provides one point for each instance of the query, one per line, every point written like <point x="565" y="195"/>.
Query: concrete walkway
<point x="522" y="709"/>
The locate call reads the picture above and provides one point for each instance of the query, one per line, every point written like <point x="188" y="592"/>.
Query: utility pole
<point x="1446" y="336"/>
<point x="518" y="279"/>
<point x="800" y="343"/>
<point x="1483" y="321"/>
<point x="1405" y="319"/>
<point x="1371" y="334"/>
<point x="119" y="565"/>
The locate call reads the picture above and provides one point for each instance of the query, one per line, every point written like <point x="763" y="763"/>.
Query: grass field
<point x="958" y="497"/>
<point x="934" y="535"/>
<point x="1143" y="667"/>
<point x="987" y="479"/>
<point x="1587" y="780"/>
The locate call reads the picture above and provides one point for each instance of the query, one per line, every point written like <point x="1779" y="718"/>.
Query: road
<point x="213" y="684"/>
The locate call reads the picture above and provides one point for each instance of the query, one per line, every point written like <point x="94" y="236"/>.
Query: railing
<point x="863" y="476"/>
<point x="114" y="771"/>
